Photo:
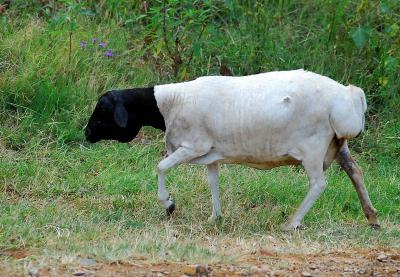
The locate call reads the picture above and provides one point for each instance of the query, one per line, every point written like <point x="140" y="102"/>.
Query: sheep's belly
<point x="214" y="156"/>
<point x="265" y="165"/>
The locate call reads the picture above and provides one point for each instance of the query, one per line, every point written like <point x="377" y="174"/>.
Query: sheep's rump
<point x="260" y="117"/>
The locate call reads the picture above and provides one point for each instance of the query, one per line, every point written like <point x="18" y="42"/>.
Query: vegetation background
<point x="61" y="197"/>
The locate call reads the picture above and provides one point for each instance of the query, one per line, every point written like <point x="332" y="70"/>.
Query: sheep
<point x="262" y="121"/>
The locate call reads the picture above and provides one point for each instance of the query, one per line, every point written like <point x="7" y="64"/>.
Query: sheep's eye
<point x="103" y="109"/>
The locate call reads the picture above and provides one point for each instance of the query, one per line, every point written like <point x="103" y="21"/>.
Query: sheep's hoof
<point x="292" y="227"/>
<point x="375" y="226"/>
<point x="214" y="219"/>
<point x="170" y="209"/>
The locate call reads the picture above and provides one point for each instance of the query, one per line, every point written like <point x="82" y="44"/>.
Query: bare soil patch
<point x="354" y="262"/>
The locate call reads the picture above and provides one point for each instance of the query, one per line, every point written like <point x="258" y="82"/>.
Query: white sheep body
<point x="263" y="120"/>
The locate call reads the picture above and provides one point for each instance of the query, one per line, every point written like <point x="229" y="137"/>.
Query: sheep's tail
<point x="347" y="114"/>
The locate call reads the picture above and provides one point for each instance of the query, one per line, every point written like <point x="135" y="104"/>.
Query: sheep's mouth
<point x="92" y="139"/>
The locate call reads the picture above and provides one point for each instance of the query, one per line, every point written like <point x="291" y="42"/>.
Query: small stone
<point x="313" y="267"/>
<point x="88" y="262"/>
<point x="382" y="258"/>
<point x="360" y="271"/>
<point x="79" y="273"/>
<point x="306" y="274"/>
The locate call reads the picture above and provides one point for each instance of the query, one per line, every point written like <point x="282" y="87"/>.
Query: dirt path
<point x="354" y="262"/>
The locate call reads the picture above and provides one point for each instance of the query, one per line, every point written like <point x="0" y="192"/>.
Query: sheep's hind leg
<point x="181" y="155"/>
<point x="213" y="180"/>
<point x="350" y="166"/>
<point x="314" y="169"/>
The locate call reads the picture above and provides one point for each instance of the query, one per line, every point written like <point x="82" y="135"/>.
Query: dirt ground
<point x="354" y="262"/>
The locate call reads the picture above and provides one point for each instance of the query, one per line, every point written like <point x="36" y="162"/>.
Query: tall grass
<point x="348" y="41"/>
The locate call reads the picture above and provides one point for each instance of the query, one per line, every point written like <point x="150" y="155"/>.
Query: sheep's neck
<point x="143" y="104"/>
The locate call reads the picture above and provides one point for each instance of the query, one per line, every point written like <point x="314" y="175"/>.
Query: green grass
<point x="101" y="200"/>
<point x="61" y="198"/>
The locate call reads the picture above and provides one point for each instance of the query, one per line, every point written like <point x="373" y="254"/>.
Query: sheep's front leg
<point x="314" y="169"/>
<point x="163" y="194"/>
<point x="181" y="155"/>
<point x="350" y="166"/>
<point x="213" y="180"/>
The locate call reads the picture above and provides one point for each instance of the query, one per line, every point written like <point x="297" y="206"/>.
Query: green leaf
<point x="87" y="12"/>
<point x="140" y="17"/>
<point x="393" y="30"/>
<point x="159" y="46"/>
<point x="182" y="74"/>
<point x="196" y="49"/>
<point x="385" y="9"/>
<point x="3" y="21"/>
<point x="390" y="63"/>
<point x="73" y="26"/>
<point x="360" y="36"/>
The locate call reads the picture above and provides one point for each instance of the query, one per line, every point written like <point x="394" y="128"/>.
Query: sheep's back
<point x="258" y="115"/>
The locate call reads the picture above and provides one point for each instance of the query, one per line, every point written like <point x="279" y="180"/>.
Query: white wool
<point x="263" y="120"/>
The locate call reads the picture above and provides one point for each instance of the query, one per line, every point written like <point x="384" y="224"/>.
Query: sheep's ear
<point x="121" y="115"/>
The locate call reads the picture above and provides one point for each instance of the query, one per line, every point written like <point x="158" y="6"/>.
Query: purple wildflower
<point x="102" y="44"/>
<point x="108" y="53"/>
<point x="94" y="40"/>
<point x="83" y="44"/>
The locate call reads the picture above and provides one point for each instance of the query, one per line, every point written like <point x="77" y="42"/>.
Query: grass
<point x="100" y="201"/>
<point x="62" y="198"/>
